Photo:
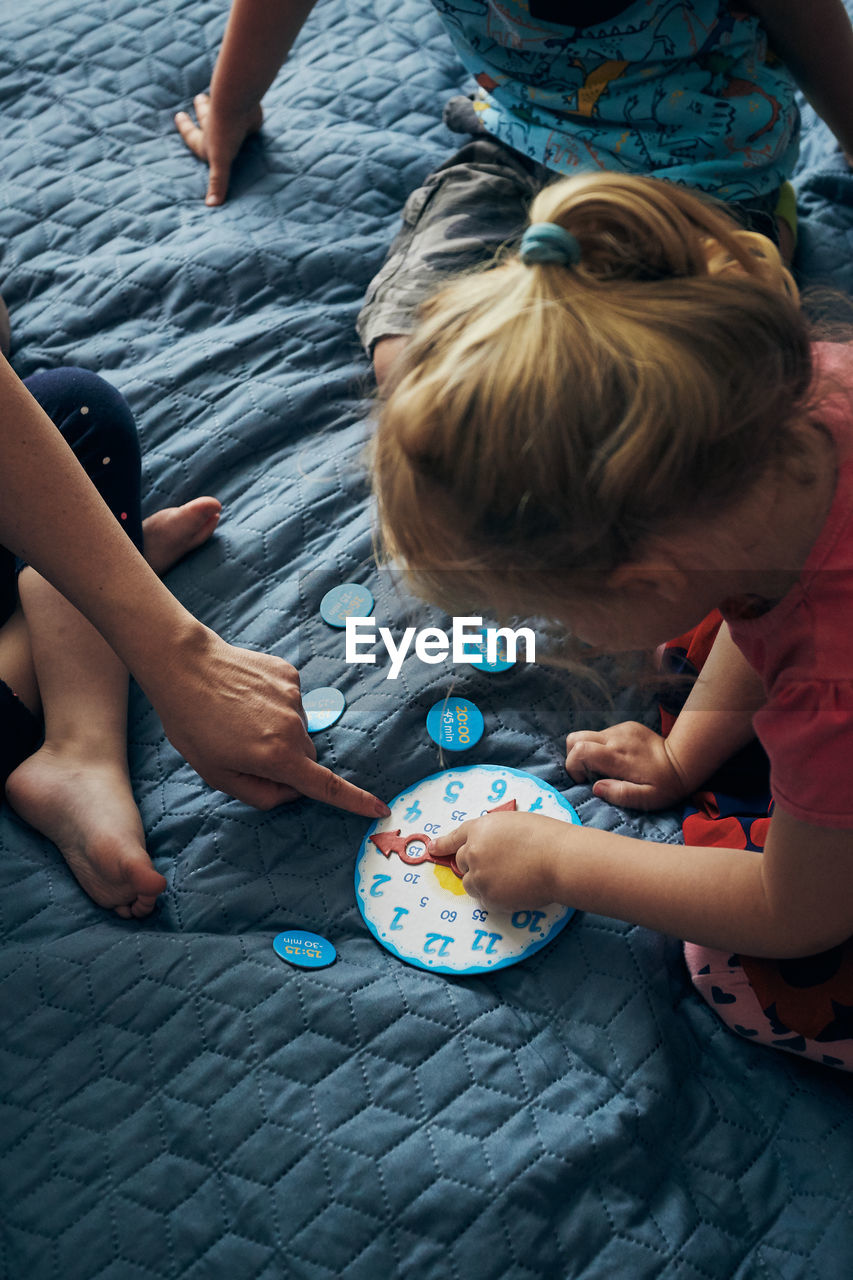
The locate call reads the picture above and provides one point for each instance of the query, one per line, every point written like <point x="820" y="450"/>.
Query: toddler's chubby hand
<point x="217" y="138"/>
<point x="634" y="766"/>
<point x="507" y="859"/>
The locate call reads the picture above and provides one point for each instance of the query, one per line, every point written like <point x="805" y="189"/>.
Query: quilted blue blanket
<point x="176" y="1102"/>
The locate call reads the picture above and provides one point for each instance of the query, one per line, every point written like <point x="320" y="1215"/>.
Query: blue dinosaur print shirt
<point x="679" y="89"/>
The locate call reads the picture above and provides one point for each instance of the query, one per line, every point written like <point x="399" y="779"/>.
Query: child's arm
<point x="815" y="41"/>
<point x="257" y="39"/>
<point x="234" y="714"/>
<point x="795" y="899"/>
<point x="639" y="769"/>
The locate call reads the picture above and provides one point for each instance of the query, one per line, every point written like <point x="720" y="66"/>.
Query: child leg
<point x="465" y="212"/>
<point x="801" y="1006"/>
<point x="20" y="725"/>
<point x="75" y="789"/>
<point x="20" y="705"/>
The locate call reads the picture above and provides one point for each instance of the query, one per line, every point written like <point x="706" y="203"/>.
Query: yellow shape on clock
<point x="448" y="880"/>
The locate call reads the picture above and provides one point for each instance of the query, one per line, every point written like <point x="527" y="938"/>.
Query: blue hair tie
<point x="549" y="242"/>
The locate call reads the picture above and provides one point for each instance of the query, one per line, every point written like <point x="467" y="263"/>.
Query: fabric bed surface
<point x="175" y="1100"/>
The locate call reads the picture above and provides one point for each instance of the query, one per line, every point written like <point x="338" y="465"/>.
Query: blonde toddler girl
<point x="624" y="427"/>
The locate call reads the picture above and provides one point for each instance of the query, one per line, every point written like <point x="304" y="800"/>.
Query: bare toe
<point x="173" y="532"/>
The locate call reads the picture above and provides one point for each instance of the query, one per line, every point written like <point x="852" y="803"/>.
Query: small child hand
<point x="216" y="139"/>
<point x="633" y="765"/>
<point x="506" y="859"/>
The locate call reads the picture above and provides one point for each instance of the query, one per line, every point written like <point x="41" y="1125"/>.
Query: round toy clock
<point x="415" y="905"/>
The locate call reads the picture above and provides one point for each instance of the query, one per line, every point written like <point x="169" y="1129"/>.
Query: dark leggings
<point x="97" y="423"/>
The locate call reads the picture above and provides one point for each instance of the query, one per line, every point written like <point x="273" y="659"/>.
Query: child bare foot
<point x="176" y="531"/>
<point x="75" y="789"/>
<point x="85" y="806"/>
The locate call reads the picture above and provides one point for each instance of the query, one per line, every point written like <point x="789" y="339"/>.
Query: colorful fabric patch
<point x="801" y="1005"/>
<point x="683" y="92"/>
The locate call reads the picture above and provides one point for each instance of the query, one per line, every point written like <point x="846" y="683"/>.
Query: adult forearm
<point x="52" y="516"/>
<point x="234" y="714"/>
<point x="815" y="41"/>
<point x="258" y="38"/>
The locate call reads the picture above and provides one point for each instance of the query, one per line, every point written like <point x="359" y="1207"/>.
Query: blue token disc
<point x="480" y="645"/>
<point x="305" y="950"/>
<point x="349" y="600"/>
<point x="323" y="707"/>
<point x="455" y="723"/>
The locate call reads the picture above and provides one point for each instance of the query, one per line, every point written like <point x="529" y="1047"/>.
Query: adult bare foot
<point x="173" y="532"/>
<point x="85" y="806"/>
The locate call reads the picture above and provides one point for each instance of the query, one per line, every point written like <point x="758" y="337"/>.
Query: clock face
<point x="416" y="906"/>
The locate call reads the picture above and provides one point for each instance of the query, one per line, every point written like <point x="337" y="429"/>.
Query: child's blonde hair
<point x="546" y="420"/>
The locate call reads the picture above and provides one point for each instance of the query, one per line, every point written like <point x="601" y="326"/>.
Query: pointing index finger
<point x="217" y="186"/>
<point x="318" y="782"/>
<point x="448" y="845"/>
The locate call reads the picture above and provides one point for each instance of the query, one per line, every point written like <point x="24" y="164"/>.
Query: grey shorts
<point x="473" y="205"/>
<point x="463" y="214"/>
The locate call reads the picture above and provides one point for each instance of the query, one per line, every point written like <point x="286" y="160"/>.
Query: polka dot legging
<point x="97" y="422"/>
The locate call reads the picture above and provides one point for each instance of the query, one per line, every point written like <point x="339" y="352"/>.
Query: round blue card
<point x="455" y="724"/>
<point x="305" y="950"/>
<point x="501" y="662"/>
<point x="417" y="908"/>
<point x="349" y="600"/>
<point x="323" y="707"/>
